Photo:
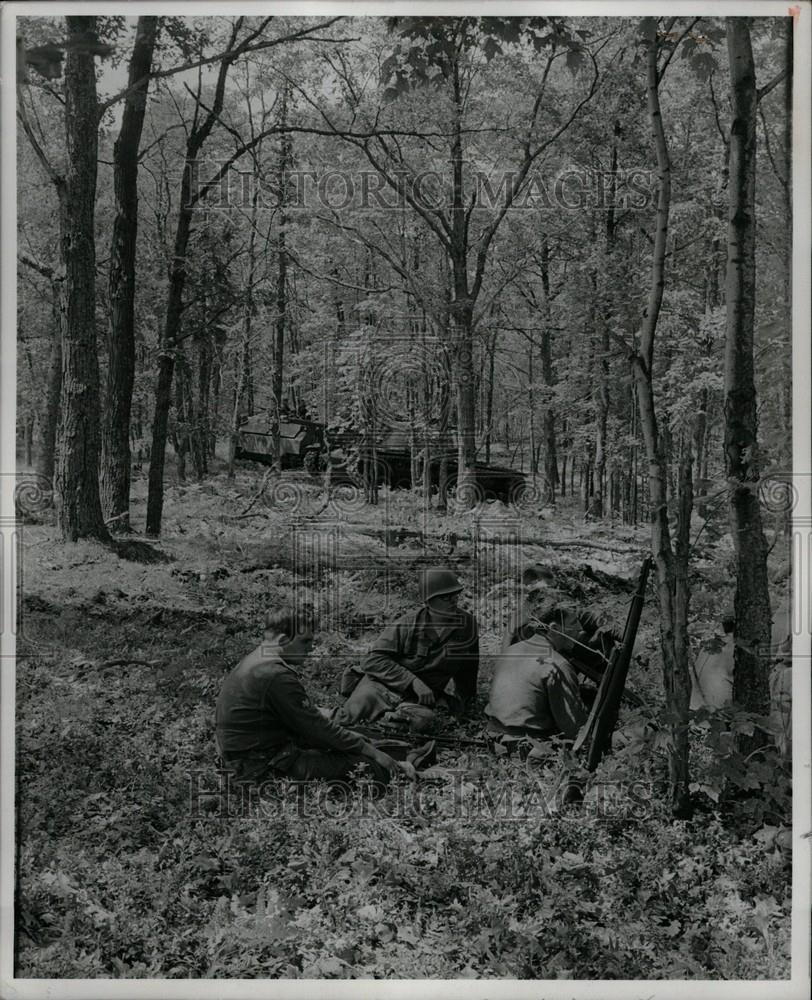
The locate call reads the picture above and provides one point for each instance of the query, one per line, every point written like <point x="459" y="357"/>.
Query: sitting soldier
<point x="534" y="693"/>
<point x="535" y="689"/>
<point x="266" y="725"/>
<point x="577" y="633"/>
<point x="428" y="658"/>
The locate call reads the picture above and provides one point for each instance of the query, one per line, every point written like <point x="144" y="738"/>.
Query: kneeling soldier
<point x="267" y="726"/>
<point x="429" y="657"/>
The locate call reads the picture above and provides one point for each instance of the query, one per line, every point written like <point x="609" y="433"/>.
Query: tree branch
<point x="44" y="269"/>
<point x="763" y="91"/>
<point x="670" y="55"/>
<point x="516" y="187"/>
<point x="302" y="35"/>
<point x="56" y="178"/>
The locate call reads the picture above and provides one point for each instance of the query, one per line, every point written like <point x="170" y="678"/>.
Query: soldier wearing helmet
<point x="428" y="658"/>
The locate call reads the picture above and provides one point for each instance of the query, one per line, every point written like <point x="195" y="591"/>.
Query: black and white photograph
<point x="406" y="519"/>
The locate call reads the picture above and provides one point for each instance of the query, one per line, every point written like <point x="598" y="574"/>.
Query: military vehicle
<point x="393" y="456"/>
<point x="301" y="440"/>
<point x="304" y="444"/>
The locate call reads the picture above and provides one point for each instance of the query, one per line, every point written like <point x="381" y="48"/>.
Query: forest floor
<point x="132" y="864"/>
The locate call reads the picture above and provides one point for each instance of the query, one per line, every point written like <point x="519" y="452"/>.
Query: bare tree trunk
<point x="188" y="416"/>
<point x="197" y="136"/>
<point x="53" y="385"/>
<point x="28" y="441"/>
<point x="243" y="365"/>
<point x="49" y="421"/>
<point x="281" y="288"/>
<point x="444" y="434"/>
<point x="78" y="504"/>
<point x="489" y="397"/>
<point x="551" y="480"/>
<point x="673" y="599"/>
<point x="531" y="408"/>
<point x="115" y="468"/>
<point x="602" y="318"/>
<point x="244" y="362"/>
<point x="752" y="605"/>
<point x="204" y="369"/>
<point x="216" y="386"/>
<point x="462" y="316"/>
<point x="167" y="354"/>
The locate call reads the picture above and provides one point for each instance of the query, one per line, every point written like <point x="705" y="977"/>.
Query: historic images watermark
<point x="33" y="495"/>
<point x="215" y="184"/>
<point x="219" y="795"/>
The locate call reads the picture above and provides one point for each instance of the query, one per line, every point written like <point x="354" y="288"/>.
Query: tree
<point x="49" y="417"/>
<point x="192" y="191"/>
<point x="444" y="52"/>
<point x="752" y="604"/>
<point x="280" y="322"/>
<point x="115" y="470"/>
<point x="672" y="566"/>
<point x="78" y="504"/>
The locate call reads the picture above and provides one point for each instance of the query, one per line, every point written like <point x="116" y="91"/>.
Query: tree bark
<point x="551" y="480"/>
<point x="752" y="602"/>
<point x="78" y="504"/>
<point x="168" y="349"/>
<point x="673" y="599"/>
<point x="49" y="420"/>
<point x="281" y="288"/>
<point x="53" y="383"/>
<point x="115" y="468"/>
<point x="462" y="315"/>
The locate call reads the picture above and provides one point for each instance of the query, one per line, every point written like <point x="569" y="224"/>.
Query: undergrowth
<point x="137" y="860"/>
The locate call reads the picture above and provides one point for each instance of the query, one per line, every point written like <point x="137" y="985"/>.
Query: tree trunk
<point x="28" y="429"/>
<point x="115" y="469"/>
<point x="204" y="372"/>
<point x="603" y="315"/>
<point x="78" y="504"/>
<point x="281" y="288"/>
<point x="752" y="603"/>
<point x="531" y="408"/>
<point x="551" y="480"/>
<point x="244" y="363"/>
<point x="53" y="383"/>
<point x="188" y="419"/>
<point x="167" y="353"/>
<point x="462" y="316"/>
<point x="177" y="283"/>
<point x="216" y="385"/>
<point x="672" y="584"/>
<point x="489" y="398"/>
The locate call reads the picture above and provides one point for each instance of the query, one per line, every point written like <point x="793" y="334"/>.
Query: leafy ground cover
<point x="137" y="860"/>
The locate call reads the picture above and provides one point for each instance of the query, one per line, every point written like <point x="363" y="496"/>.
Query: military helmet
<point x="438" y="581"/>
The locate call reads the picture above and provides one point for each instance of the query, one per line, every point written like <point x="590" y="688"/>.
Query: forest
<point x="306" y="304"/>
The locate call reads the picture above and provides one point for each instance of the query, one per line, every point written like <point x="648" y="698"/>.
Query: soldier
<point x="428" y="658"/>
<point x="267" y="726"/>
<point x="712" y="674"/>
<point x="534" y="692"/>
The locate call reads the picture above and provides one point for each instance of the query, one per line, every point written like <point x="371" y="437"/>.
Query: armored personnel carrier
<point x="301" y="440"/>
<point x="304" y="444"/>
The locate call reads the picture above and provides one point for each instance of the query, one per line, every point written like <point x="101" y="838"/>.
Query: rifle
<point x="388" y="733"/>
<point x="602" y="720"/>
<point x="564" y="643"/>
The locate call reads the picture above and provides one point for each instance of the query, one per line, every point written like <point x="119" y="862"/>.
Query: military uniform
<point x="534" y="692"/>
<point x="267" y="726"/>
<point x="445" y="657"/>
